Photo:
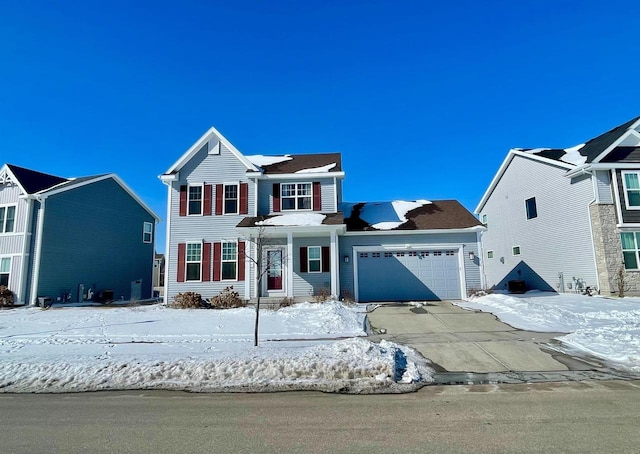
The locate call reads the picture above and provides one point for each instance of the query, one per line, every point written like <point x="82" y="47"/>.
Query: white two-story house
<point x="221" y="201"/>
<point x="565" y="219"/>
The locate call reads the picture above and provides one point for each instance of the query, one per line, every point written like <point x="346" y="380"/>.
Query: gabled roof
<point x="594" y="147"/>
<point x="32" y="181"/>
<point x="434" y="215"/>
<point x="301" y="163"/>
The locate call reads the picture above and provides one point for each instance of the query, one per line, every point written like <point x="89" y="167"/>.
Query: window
<point x="195" y="200"/>
<point x="489" y="254"/>
<point x="147" y="232"/>
<point x="5" y="267"/>
<point x="296" y="196"/>
<point x="194" y="261"/>
<point x="631" y="184"/>
<point x="530" y="205"/>
<point x="229" y="261"/>
<point x="630" y="242"/>
<point x="7" y="218"/>
<point x="516" y="250"/>
<point x="231" y="199"/>
<point x="314" y="257"/>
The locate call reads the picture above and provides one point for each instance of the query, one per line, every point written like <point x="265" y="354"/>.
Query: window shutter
<point x="244" y="198"/>
<point x="183" y="200"/>
<point x="276" y="197"/>
<point x="219" y="189"/>
<point x="303" y="260"/>
<point x="326" y="259"/>
<point x="241" y="258"/>
<point x="206" y="262"/>
<point x="217" y="263"/>
<point x="208" y="190"/>
<point x="182" y="250"/>
<point x="317" y="196"/>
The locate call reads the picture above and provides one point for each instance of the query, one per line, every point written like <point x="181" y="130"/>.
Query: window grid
<point x="7" y="218"/>
<point x="632" y="189"/>
<point x="231" y="199"/>
<point x="516" y="250"/>
<point x="489" y="254"/>
<point x="630" y="250"/>
<point x="193" y="261"/>
<point x="314" y="259"/>
<point x="195" y="200"/>
<point x="296" y="196"/>
<point x="5" y="269"/>
<point x="147" y="232"/>
<point x="229" y="261"/>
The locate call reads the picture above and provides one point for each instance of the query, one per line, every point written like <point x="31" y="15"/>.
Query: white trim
<point x="194" y="185"/>
<point x="477" y="228"/>
<point x="295" y="176"/>
<point x="247" y="267"/>
<point x="289" y="264"/>
<point x="277" y="231"/>
<point x="335" y="194"/>
<point x="297" y="196"/>
<point x="198" y="145"/>
<point x="617" y="142"/>
<point x="186" y="261"/>
<point x="318" y="259"/>
<point x="38" y="254"/>
<point x="144" y="224"/>
<point x="3" y="221"/>
<point x="625" y="227"/>
<point x="26" y="242"/>
<point x="334" y="261"/>
<point x="167" y="243"/>
<point x="224" y="198"/>
<point x="222" y="261"/>
<point x="283" y="272"/>
<point x="616" y="194"/>
<point x="4" y="171"/>
<point x="395" y="247"/>
<point x="625" y="189"/>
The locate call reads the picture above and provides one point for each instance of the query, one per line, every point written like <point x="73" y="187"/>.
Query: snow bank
<point x="308" y="219"/>
<point x="261" y="160"/>
<point x="603" y="327"/>
<point x="155" y="347"/>
<point x="389" y="215"/>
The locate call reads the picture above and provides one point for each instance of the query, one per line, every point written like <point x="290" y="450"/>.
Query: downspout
<point x="596" y="199"/>
<point x="26" y="241"/>
<point x="38" y="253"/>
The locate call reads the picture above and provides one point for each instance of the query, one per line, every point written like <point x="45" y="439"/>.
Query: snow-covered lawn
<point x="608" y="328"/>
<point x="154" y="347"/>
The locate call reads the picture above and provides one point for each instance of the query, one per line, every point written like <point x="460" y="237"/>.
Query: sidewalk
<point x="458" y="340"/>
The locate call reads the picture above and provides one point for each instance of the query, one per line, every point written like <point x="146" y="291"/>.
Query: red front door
<point x="274" y="269"/>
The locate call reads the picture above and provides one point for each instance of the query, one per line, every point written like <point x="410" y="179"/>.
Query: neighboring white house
<point x="220" y="201"/>
<point x="565" y="219"/>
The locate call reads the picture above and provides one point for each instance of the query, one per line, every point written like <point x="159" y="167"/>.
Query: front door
<point x="275" y="283"/>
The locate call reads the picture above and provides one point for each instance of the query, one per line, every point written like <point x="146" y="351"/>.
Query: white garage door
<point x="408" y="275"/>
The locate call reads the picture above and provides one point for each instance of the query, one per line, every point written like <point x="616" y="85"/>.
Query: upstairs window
<point x="229" y="261"/>
<point x="195" y="200"/>
<point x="631" y="185"/>
<point x="230" y="199"/>
<point x="515" y="250"/>
<point x="296" y="196"/>
<point x="194" y="261"/>
<point x="5" y="268"/>
<point x="630" y="242"/>
<point x="532" y="210"/>
<point x="7" y="219"/>
<point x="147" y="232"/>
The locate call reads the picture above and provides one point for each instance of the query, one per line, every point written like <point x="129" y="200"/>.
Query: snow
<point x="572" y="154"/>
<point x="603" y="327"/>
<point x="322" y="169"/>
<point x="295" y="219"/>
<point x="302" y="347"/>
<point x="261" y="160"/>
<point x="389" y="215"/>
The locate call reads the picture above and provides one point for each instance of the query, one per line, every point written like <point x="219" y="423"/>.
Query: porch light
<point x="346" y="259"/>
<point x="472" y="256"/>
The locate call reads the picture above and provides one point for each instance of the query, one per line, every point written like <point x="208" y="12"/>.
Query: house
<point x="223" y="205"/>
<point x="72" y="238"/>
<point x="158" y="274"/>
<point x="566" y="219"/>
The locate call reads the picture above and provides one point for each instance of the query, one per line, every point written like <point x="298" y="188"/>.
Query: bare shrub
<point x="6" y="296"/>
<point x="621" y="281"/>
<point x="322" y="295"/>
<point x="347" y="298"/>
<point x="227" y="299"/>
<point x="479" y="292"/>
<point x="187" y="300"/>
<point x="287" y="301"/>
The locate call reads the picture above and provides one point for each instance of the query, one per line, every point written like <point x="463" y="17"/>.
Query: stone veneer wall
<point x="608" y="251"/>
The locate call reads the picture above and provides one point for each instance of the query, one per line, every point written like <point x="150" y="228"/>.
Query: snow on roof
<point x="297" y="219"/>
<point x="261" y="160"/>
<point x="571" y="155"/>
<point x="318" y="169"/>
<point x="387" y="216"/>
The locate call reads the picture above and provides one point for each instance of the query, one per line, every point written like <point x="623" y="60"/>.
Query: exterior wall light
<point x="346" y="259"/>
<point x="472" y="256"/>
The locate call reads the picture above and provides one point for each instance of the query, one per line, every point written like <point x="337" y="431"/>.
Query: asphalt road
<point x="580" y="417"/>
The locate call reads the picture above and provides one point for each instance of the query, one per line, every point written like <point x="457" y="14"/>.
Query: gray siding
<point x="11" y="243"/>
<point x="603" y="186"/>
<point x="557" y="241"/>
<point x="93" y="236"/>
<point x="468" y="240"/>
<point x="308" y="283"/>
<point x="628" y="216"/>
<point x="265" y="193"/>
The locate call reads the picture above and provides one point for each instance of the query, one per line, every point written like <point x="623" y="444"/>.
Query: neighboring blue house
<point x="566" y="219"/>
<point x="69" y="239"/>
<point x="220" y="201"/>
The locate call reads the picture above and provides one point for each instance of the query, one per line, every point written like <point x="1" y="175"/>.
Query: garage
<point x="403" y="275"/>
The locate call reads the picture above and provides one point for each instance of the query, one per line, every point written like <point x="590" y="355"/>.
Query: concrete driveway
<point x="460" y="340"/>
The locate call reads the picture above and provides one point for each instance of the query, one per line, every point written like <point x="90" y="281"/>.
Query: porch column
<point x="248" y="252"/>
<point x="335" y="262"/>
<point x="290" y="265"/>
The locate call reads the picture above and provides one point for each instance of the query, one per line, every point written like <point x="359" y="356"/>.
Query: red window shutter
<point x="182" y="250"/>
<point x="241" y="258"/>
<point x="206" y="262"/>
<point x="208" y="192"/>
<point x="317" y="196"/>
<point x="217" y="262"/>
<point x="303" y="260"/>
<point x="276" y="197"/>
<point x="244" y="198"/>
<point x="326" y="259"/>
<point x="183" y="200"/>
<point x="219" y="189"/>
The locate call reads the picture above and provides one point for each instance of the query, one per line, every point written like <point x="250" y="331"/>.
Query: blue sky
<point x="422" y="99"/>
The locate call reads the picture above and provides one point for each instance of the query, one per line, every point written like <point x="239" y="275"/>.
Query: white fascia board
<point x="477" y="228"/>
<point x="167" y="179"/>
<point x="628" y="226"/>
<point x="616" y="165"/>
<point x="505" y="164"/>
<point x="617" y="142"/>
<point x="275" y="230"/>
<point x="6" y="170"/>
<point x="297" y="176"/>
<point x="407" y="247"/>
<point x="200" y="142"/>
